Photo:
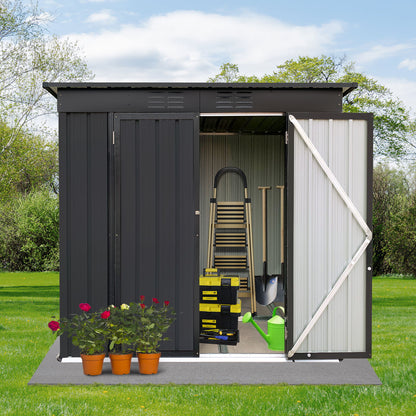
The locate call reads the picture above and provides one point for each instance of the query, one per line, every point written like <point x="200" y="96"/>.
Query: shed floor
<point x="249" y="362"/>
<point x="206" y="370"/>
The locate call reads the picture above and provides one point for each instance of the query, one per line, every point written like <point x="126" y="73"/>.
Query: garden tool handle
<point x="238" y="171"/>
<point x="282" y="221"/>
<point x="264" y="213"/>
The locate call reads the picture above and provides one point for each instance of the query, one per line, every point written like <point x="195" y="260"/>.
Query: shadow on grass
<point x="402" y="301"/>
<point x="29" y="291"/>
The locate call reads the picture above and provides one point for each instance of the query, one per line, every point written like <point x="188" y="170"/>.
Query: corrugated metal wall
<point x="156" y="226"/>
<point x="326" y="236"/>
<point x="83" y="193"/>
<point x="261" y="157"/>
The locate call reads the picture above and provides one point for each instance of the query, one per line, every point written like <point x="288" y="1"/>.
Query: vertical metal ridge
<point x="90" y="295"/>
<point x="309" y="235"/>
<point x="350" y="224"/>
<point x="64" y="221"/>
<point x="156" y="173"/>
<point x="330" y="201"/>
<point x="177" y="222"/>
<point x="111" y="209"/>
<point x="138" y="254"/>
<point x="117" y="204"/>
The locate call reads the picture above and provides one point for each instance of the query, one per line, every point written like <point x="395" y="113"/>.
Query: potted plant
<point x="121" y="336"/>
<point x="88" y="331"/>
<point x="151" y="324"/>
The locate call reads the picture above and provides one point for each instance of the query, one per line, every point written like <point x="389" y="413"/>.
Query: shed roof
<point x="53" y="87"/>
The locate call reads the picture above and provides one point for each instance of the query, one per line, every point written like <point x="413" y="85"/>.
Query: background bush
<point x="394" y="221"/>
<point x="400" y="248"/>
<point x="29" y="232"/>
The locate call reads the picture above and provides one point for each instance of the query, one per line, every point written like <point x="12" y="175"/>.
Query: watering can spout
<point x="275" y="337"/>
<point x="248" y="318"/>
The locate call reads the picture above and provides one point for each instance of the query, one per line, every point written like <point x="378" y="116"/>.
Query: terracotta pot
<point x="148" y="363"/>
<point x="92" y="364"/>
<point x="120" y="363"/>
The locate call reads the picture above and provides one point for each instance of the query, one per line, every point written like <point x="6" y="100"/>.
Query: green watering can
<point x="275" y="328"/>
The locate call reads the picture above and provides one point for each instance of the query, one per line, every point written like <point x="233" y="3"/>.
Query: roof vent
<point x="160" y="100"/>
<point x="232" y="100"/>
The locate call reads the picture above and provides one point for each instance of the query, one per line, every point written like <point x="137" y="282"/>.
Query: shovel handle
<point x="264" y="189"/>
<point x="282" y="222"/>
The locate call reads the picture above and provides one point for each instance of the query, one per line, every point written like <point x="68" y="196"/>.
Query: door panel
<point x="329" y="284"/>
<point x="156" y="231"/>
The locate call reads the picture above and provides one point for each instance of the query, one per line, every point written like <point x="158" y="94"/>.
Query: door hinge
<point x="286" y="137"/>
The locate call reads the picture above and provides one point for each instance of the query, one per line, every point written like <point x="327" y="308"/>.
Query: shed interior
<point x="255" y="144"/>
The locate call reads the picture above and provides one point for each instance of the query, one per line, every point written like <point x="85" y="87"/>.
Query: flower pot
<point x="148" y="363"/>
<point x="120" y="363"/>
<point x="92" y="364"/>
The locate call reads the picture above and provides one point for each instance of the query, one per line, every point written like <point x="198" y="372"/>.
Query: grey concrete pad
<point x="348" y="371"/>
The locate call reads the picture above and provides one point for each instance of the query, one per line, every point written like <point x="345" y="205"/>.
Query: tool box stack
<point x="219" y="308"/>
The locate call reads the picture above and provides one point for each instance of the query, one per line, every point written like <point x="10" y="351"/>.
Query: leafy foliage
<point x="29" y="232"/>
<point x="29" y="56"/>
<point x="388" y="184"/>
<point x="151" y="324"/>
<point x="121" y="329"/>
<point x="400" y="246"/>
<point x="394" y="127"/>
<point x="394" y="221"/>
<point x="88" y="330"/>
<point x="27" y="164"/>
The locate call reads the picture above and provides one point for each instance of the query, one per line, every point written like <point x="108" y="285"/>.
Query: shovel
<point x="266" y="286"/>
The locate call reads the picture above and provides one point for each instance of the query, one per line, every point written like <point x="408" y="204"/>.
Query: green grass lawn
<point x="28" y="300"/>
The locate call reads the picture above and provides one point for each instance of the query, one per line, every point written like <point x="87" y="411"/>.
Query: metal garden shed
<point x="137" y="162"/>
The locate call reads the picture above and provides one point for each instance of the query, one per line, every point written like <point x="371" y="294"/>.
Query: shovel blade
<point x="266" y="289"/>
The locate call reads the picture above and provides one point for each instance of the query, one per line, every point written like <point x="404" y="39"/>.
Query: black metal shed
<point x="134" y="177"/>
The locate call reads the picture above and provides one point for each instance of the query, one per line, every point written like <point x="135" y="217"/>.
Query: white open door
<point x="329" y="173"/>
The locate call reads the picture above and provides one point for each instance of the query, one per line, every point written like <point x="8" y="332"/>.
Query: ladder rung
<point x="230" y="239"/>
<point x="230" y="245"/>
<point x="229" y="218"/>
<point x="231" y="257"/>
<point x="230" y="221"/>
<point x="234" y="203"/>
<point x="230" y="225"/>
<point x="244" y="293"/>
<point x="232" y="234"/>
<point x="230" y="262"/>
<point x="243" y="283"/>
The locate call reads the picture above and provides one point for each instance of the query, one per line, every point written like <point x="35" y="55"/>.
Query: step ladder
<point x="230" y="237"/>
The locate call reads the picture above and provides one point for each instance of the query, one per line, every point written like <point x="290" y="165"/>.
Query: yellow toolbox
<point x="219" y="316"/>
<point x="218" y="289"/>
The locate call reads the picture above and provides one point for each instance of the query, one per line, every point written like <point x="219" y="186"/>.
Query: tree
<point x="400" y="248"/>
<point x="394" y="128"/>
<point x="390" y="188"/>
<point x="29" y="56"/>
<point x="28" y="163"/>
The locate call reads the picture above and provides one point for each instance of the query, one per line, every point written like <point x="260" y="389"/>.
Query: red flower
<point x="141" y="298"/>
<point x="53" y="325"/>
<point x="154" y="300"/>
<point x="105" y="315"/>
<point x="142" y="305"/>
<point x="85" y="307"/>
<point x="166" y="303"/>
